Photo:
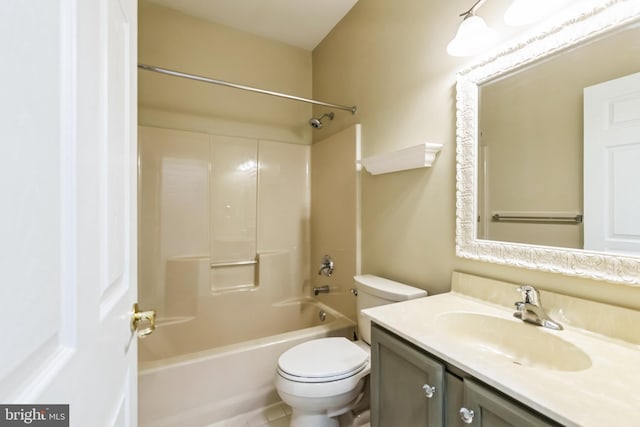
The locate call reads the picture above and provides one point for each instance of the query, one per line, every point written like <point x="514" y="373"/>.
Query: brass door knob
<point x="137" y="317"/>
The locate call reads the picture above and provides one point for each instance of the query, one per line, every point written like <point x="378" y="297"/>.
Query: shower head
<point x="317" y="123"/>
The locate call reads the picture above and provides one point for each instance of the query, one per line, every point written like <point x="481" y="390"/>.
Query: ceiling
<point x="301" y="23"/>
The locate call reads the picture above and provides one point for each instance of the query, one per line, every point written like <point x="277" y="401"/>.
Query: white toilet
<point x="324" y="378"/>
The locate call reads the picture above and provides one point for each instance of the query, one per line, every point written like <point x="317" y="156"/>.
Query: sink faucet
<point x="530" y="310"/>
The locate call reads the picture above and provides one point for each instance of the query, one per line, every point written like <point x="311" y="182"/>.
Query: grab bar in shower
<point x="233" y="263"/>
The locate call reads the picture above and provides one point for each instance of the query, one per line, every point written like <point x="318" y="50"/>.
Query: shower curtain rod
<point x="243" y="87"/>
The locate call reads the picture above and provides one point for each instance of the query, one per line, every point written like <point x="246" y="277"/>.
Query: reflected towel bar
<point x="574" y="219"/>
<point x="233" y="263"/>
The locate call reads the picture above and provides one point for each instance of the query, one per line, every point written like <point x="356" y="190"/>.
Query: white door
<point x="612" y="166"/>
<point x="68" y="207"/>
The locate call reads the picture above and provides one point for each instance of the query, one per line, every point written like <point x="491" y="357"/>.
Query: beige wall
<point x="389" y="58"/>
<point x="176" y="41"/>
<point x="334" y="221"/>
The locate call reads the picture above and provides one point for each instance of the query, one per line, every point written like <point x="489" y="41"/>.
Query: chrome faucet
<point x="530" y="309"/>
<point x="326" y="266"/>
<point x="320" y="290"/>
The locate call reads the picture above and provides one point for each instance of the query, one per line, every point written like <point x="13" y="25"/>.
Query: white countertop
<point x="605" y="394"/>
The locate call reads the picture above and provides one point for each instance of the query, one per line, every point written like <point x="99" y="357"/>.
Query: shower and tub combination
<point x="224" y="259"/>
<point x="184" y="380"/>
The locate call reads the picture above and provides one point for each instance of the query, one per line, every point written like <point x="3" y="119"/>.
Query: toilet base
<point x="353" y="419"/>
<point x="323" y="412"/>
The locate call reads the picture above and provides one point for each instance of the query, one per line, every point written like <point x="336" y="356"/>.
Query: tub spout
<point x="320" y="290"/>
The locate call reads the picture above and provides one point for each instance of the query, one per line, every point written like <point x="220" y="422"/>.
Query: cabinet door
<point x="492" y="410"/>
<point x="454" y="400"/>
<point x="407" y="386"/>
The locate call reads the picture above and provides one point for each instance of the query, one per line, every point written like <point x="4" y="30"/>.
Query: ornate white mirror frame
<point x="554" y="37"/>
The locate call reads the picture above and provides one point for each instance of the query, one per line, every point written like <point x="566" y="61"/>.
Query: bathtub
<point x="217" y="379"/>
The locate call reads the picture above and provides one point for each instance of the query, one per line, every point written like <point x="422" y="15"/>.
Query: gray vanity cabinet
<point x="409" y="388"/>
<point x="492" y="410"/>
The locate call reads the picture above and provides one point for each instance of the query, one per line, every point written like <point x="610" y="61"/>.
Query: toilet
<point x="324" y="378"/>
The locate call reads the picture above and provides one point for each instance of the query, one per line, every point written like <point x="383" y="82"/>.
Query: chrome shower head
<point x="317" y="123"/>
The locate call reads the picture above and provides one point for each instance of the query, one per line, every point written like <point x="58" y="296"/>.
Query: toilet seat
<point x="322" y="360"/>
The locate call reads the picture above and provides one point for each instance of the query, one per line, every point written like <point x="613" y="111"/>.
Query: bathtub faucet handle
<point x="326" y="266"/>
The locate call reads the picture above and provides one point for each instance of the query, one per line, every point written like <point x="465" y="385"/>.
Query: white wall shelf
<point x="418" y="156"/>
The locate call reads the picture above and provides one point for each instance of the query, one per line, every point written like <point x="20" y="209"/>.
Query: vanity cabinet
<point x="492" y="410"/>
<point x="410" y="388"/>
<point x="406" y="385"/>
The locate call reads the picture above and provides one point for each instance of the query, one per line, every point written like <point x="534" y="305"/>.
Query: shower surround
<point x="228" y="200"/>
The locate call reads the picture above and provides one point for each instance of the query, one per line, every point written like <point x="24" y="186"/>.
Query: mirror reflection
<point x="559" y="161"/>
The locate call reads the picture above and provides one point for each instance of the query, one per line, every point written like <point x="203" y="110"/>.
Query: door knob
<point x="137" y="317"/>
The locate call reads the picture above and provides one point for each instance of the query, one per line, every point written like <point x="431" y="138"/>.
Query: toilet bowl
<point x="324" y="378"/>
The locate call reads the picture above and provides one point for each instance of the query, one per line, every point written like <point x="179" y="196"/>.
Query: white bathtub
<point x="210" y="385"/>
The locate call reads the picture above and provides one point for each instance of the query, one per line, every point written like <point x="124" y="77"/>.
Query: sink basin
<point x="514" y="340"/>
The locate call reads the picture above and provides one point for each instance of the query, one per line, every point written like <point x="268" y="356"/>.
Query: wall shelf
<point x="418" y="156"/>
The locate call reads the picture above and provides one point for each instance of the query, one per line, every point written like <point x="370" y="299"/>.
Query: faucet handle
<point x="530" y="294"/>
<point x="326" y="266"/>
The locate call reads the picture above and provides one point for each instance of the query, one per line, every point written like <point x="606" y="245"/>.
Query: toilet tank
<point x="374" y="291"/>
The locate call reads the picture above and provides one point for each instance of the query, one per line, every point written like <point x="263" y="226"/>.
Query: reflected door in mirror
<point x="611" y="166"/>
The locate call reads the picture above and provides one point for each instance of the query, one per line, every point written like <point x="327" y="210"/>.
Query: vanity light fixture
<point x="523" y="12"/>
<point x="473" y="34"/>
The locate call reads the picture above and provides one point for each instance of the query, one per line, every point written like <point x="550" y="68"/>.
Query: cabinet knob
<point x="428" y="390"/>
<point x="466" y="415"/>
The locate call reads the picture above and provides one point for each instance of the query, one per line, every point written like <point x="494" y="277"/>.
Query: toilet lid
<point x="324" y="359"/>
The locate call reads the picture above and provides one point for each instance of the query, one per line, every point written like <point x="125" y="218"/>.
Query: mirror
<point x="530" y="149"/>
<point x="521" y="196"/>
